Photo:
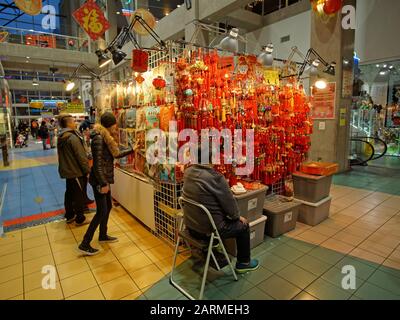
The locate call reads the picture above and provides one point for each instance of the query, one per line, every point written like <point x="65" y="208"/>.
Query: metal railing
<point x="44" y="39"/>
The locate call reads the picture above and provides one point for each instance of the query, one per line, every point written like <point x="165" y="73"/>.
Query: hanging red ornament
<point x="140" y="60"/>
<point x="332" y="6"/>
<point x="139" y="79"/>
<point x="159" y="83"/>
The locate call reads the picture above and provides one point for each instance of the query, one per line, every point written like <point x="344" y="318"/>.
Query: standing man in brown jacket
<point x="74" y="167"/>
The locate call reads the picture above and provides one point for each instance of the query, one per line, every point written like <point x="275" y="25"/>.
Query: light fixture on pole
<point x="266" y="58"/>
<point x="103" y="58"/>
<point x="70" y="83"/>
<point x="230" y="42"/>
<point x="116" y="45"/>
<point x="35" y="82"/>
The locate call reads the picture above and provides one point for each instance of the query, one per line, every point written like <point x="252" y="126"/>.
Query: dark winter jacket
<point x="206" y="186"/>
<point x="104" y="150"/>
<point x="72" y="157"/>
<point x="43" y="132"/>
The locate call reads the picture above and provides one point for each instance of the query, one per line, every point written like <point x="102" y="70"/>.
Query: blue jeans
<point x="103" y="208"/>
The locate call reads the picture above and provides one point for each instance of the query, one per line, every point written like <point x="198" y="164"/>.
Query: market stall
<point x="261" y="126"/>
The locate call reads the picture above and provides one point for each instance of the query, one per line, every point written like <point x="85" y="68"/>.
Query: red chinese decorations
<point x="213" y="93"/>
<point x="91" y="19"/>
<point x="327" y="7"/>
<point x="159" y="83"/>
<point x="140" y="61"/>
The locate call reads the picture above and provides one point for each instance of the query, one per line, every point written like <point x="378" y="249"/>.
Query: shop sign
<point x="36" y="104"/>
<point x="73" y="108"/>
<point x="323" y="102"/>
<point x="92" y="19"/>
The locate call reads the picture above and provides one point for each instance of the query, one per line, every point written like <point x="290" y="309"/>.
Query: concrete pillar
<point x="330" y="141"/>
<point x="111" y="16"/>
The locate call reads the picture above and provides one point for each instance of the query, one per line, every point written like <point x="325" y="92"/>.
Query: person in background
<point x="44" y="134"/>
<point x="4" y="149"/>
<point x="104" y="150"/>
<point x="86" y="142"/>
<point x="208" y="187"/>
<point x="52" y="133"/>
<point x="74" y="167"/>
<point x="34" y="129"/>
<point x="84" y="125"/>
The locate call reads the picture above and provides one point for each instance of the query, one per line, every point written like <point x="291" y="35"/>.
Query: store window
<point x="376" y="108"/>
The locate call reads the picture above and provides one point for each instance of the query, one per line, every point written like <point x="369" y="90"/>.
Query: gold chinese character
<point x="91" y="22"/>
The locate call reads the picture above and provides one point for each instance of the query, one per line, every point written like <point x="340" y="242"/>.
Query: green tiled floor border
<point x="291" y="269"/>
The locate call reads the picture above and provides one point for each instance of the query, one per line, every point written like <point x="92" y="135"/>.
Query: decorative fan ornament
<point x="147" y="17"/>
<point x="31" y="7"/>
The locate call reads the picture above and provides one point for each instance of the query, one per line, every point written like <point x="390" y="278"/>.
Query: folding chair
<point x="185" y="235"/>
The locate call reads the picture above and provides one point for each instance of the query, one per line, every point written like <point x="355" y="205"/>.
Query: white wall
<point x="298" y="27"/>
<point x="377" y="33"/>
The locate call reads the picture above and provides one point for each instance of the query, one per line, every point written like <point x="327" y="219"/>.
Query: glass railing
<point x="44" y="40"/>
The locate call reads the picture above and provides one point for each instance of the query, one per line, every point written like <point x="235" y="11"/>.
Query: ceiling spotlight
<point x="70" y="85"/>
<point x="346" y="62"/>
<point x="117" y="55"/>
<point x="103" y="58"/>
<point x="118" y="12"/>
<point x="331" y="69"/>
<point x="231" y="43"/>
<point x="385" y="65"/>
<point x="35" y="82"/>
<point x="391" y="67"/>
<point x="377" y="65"/>
<point x="266" y="58"/>
<point x="321" y="84"/>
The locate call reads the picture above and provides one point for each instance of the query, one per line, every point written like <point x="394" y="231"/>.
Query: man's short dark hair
<point x="63" y="119"/>
<point x="86" y="117"/>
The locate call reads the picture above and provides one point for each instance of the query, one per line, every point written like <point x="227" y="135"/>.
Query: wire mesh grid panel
<point x="277" y="188"/>
<point x="167" y="210"/>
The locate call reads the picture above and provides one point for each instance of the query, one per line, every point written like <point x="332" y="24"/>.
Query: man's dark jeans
<point x="74" y="200"/>
<point x="103" y="208"/>
<point x="233" y="230"/>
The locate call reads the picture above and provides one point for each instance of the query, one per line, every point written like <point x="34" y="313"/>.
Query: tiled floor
<point x="123" y="270"/>
<point x="363" y="231"/>
<point x="33" y="185"/>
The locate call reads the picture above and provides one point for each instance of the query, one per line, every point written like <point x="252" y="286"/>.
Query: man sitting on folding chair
<point x="208" y="187"/>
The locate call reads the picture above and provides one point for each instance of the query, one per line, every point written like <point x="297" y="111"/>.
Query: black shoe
<point x="108" y="239"/>
<point x="70" y="220"/>
<point x="81" y="223"/>
<point x="88" y="250"/>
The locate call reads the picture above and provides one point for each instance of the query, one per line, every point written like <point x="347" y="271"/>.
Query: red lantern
<point x="332" y="6"/>
<point x="140" y="60"/>
<point x="159" y="83"/>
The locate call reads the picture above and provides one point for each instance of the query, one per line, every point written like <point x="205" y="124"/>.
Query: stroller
<point x="21" y="141"/>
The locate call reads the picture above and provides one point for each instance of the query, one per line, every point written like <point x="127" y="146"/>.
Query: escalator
<point x="366" y="149"/>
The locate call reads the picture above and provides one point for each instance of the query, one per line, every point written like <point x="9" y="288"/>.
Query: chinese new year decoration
<point x="92" y="19"/>
<point x="327" y="7"/>
<point x="159" y="83"/>
<point x="31" y="7"/>
<point x="140" y="60"/>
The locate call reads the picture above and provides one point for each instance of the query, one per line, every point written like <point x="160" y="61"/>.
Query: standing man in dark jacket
<point x="208" y="187"/>
<point x="104" y="150"/>
<point x="74" y="167"/>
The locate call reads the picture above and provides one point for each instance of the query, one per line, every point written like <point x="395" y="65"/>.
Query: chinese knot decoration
<point x="327" y="7"/>
<point x="92" y="20"/>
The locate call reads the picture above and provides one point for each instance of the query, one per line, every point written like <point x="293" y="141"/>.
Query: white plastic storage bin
<point x="314" y="213"/>
<point x="251" y="203"/>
